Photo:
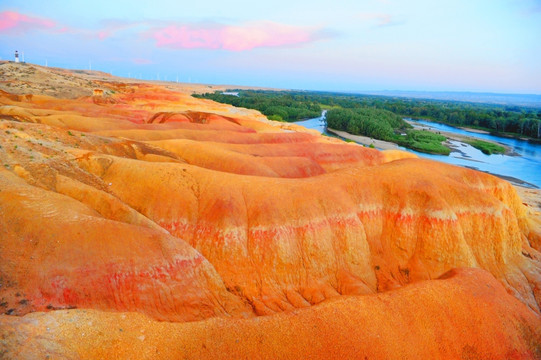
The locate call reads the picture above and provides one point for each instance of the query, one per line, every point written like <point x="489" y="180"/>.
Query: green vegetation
<point x="375" y="123"/>
<point x="384" y="125"/>
<point x="487" y="147"/>
<point x="425" y="141"/>
<point x="380" y="117"/>
<point x="275" y="117"/>
<point x="497" y="119"/>
<point x="281" y="106"/>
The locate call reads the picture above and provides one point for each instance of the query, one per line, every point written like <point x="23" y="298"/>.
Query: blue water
<point x="318" y="124"/>
<point x="525" y="166"/>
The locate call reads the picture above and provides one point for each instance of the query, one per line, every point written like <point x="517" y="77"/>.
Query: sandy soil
<point x="475" y="130"/>
<point x="532" y="199"/>
<point x="26" y="78"/>
<point x="23" y="78"/>
<point x="365" y="140"/>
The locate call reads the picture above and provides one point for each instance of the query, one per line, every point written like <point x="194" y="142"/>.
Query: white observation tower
<point x="16" y="56"/>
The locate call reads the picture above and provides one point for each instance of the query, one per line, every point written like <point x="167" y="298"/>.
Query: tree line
<point x="497" y="119"/>
<point x="380" y="117"/>
<point x="280" y="106"/>
<point x="298" y="105"/>
<point x="385" y="125"/>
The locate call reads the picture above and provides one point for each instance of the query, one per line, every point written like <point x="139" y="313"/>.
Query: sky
<point x="340" y="45"/>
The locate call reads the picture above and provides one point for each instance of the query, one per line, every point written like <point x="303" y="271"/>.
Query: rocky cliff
<point x="247" y="239"/>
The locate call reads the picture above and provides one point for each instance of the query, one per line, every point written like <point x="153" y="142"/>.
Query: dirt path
<point x="365" y="140"/>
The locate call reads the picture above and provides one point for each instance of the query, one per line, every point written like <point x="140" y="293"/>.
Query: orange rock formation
<point x="176" y="209"/>
<point x="416" y="322"/>
<point x="97" y="92"/>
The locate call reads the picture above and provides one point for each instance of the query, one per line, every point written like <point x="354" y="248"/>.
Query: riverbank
<point x="504" y="135"/>
<point x="459" y="137"/>
<point x="531" y="198"/>
<point x="513" y="180"/>
<point x="365" y="140"/>
<point x="453" y="143"/>
<point x="479" y="130"/>
<point x="521" y="166"/>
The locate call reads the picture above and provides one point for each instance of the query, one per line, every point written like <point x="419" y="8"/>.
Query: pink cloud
<point x="111" y="27"/>
<point x="140" y="61"/>
<point x="14" y="21"/>
<point x="104" y="34"/>
<point x="380" y="19"/>
<point x="247" y="36"/>
<point x="234" y="37"/>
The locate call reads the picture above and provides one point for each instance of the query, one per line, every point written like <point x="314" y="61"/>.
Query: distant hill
<point x="523" y="100"/>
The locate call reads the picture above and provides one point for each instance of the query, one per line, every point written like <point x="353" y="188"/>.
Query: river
<point x="319" y="124"/>
<point x="524" y="164"/>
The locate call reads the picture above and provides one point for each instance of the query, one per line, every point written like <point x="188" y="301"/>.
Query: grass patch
<point x="275" y="118"/>
<point x="329" y="107"/>
<point x="487" y="147"/>
<point x="424" y="141"/>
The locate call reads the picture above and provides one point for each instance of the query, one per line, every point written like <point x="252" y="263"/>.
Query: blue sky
<point x="343" y="45"/>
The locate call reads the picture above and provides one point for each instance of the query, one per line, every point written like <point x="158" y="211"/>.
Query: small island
<point x="486" y="147"/>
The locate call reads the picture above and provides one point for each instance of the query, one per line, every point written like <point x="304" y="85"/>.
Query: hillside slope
<point x="152" y="212"/>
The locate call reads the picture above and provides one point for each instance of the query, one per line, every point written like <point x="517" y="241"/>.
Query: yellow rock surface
<point x="164" y="207"/>
<point x="467" y="315"/>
